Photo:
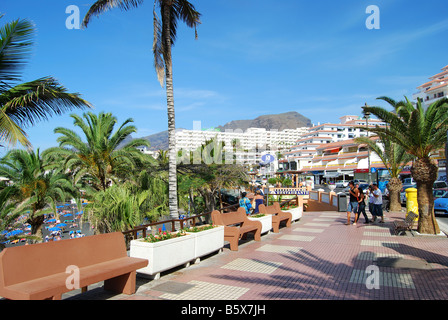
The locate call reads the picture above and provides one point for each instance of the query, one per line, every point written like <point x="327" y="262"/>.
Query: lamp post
<point x="366" y="116"/>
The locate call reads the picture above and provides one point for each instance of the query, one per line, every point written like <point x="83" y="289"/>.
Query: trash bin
<point x="342" y="202"/>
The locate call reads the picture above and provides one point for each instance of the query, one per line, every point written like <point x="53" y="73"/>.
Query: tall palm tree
<point x="100" y="161"/>
<point x="394" y="157"/>
<point x="23" y="104"/>
<point x="420" y="132"/>
<point x="165" y="32"/>
<point x="31" y="177"/>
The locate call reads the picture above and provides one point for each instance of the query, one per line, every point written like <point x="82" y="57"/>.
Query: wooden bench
<point x="406" y="224"/>
<point x="277" y="216"/>
<point x="236" y="226"/>
<point x="47" y="270"/>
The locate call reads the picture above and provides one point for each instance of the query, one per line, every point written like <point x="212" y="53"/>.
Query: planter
<point x="266" y="222"/>
<point x="331" y="187"/>
<point x="163" y="255"/>
<point x="295" y="212"/>
<point x="207" y="241"/>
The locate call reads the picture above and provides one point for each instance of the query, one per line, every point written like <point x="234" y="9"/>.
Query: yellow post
<point x="411" y="201"/>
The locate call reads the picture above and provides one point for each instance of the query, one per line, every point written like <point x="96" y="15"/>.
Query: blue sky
<point x="252" y="57"/>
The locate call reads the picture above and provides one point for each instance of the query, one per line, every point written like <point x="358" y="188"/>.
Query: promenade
<point x="318" y="257"/>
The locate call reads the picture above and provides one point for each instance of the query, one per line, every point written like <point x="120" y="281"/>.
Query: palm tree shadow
<point x="321" y="279"/>
<point x="428" y="256"/>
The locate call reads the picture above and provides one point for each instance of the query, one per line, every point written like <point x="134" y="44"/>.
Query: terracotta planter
<point x="164" y="255"/>
<point x="266" y="222"/>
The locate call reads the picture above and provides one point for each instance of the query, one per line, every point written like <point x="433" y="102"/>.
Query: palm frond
<point x="102" y="6"/>
<point x="15" y="49"/>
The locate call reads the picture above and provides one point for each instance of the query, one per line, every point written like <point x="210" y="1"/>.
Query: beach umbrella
<point x="51" y="220"/>
<point x="61" y="225"/>
<point x="54" y="229"/>
<point x="67" y="215"/>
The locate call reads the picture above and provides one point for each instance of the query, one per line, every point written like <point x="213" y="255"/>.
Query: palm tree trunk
<point x="394" y="187"/>
<point x="425" y="173"/>
<point x="172" y="167"/>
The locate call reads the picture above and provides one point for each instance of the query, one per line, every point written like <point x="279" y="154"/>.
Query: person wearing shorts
<point x="353" y="202"/>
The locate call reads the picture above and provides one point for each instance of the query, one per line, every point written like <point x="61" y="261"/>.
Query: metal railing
<point x="142" y="230"/>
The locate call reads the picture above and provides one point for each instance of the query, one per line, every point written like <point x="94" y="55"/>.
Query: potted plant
<point x="207" y="239"/>
<point x="163" y="251"/>
<point x="331" y="186"/>
<point x="265" y="219"/>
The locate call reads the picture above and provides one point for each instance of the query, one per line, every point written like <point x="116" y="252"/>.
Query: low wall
<point x="322" y="201"/>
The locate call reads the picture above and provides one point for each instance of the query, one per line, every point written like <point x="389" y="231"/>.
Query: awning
<point x="332" y="174"/>
<point x="333" y="150"/>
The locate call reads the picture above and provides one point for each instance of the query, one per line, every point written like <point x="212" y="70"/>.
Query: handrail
<point x="133" y="233"/>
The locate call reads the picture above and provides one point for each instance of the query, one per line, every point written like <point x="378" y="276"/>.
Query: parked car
<point x="341" y="183"/>
<point x="409" y="181"/>
<point x="360" y="181"/>
<point x="440" y="184"/>
<point x="439" y="193"/>
<point x="441" y="204"/>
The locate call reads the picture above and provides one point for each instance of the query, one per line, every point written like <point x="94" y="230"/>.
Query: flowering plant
<point x="160" y="236"/>
<point x="201" y="228"/>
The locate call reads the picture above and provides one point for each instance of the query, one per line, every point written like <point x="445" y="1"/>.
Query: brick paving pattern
<point x="318" y="257"/>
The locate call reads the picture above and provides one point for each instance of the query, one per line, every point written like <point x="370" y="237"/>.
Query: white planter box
<point x="295" y="212"/>
<point x="266" y="222"/>
<point x="207" y="241"/>
<point x="163" y="255"/>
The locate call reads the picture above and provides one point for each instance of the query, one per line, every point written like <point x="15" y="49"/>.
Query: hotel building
<point x="435" y="89"/>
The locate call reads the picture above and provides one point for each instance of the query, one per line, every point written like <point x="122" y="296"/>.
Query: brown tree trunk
<point x="394" y="187"/>
<point x="424" y="173"/>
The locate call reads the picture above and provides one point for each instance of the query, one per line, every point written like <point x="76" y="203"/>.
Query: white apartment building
<point x="435" y="89"/>
<point x="306" y="148"/>
<point x="250" y="145"/>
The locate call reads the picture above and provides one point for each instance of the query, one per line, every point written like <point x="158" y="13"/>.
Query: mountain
<point x="287" y="120"/>
<point x="282" y="121"/>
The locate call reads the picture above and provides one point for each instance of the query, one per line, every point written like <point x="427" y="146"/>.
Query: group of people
<point x="357" y="203"/>
<point x="251" y="207"/>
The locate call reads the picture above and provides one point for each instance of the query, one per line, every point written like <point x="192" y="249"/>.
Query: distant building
<point x="248" y="146"/>
<point x="435" y="89"/>
<point x="328" y="151"/>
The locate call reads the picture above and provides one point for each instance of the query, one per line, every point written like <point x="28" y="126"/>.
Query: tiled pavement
<point x="318" y="257"/>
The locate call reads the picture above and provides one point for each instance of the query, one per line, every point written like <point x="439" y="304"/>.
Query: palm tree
<point x="394" y="157"/>
<point x="30" y="177"/>
<point x="100" y="161"/>
<point x="23" y="104"/>
<point x="420" y="132"/>
<point x="165" y="33"/>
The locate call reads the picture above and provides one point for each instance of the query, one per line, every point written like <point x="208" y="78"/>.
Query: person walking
<point x="362" y="205"/>
<point x="353" y="202"/>
<point x="369" y="194"/>
<point x="378" y="203"/>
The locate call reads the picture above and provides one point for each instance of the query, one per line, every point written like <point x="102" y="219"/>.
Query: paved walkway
<point x="318" y="257"/>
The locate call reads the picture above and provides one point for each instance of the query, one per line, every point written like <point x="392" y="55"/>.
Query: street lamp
<point x="366" y="116"/>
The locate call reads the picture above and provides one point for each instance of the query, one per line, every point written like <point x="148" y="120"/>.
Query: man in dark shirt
<point x="353" y="202"/>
